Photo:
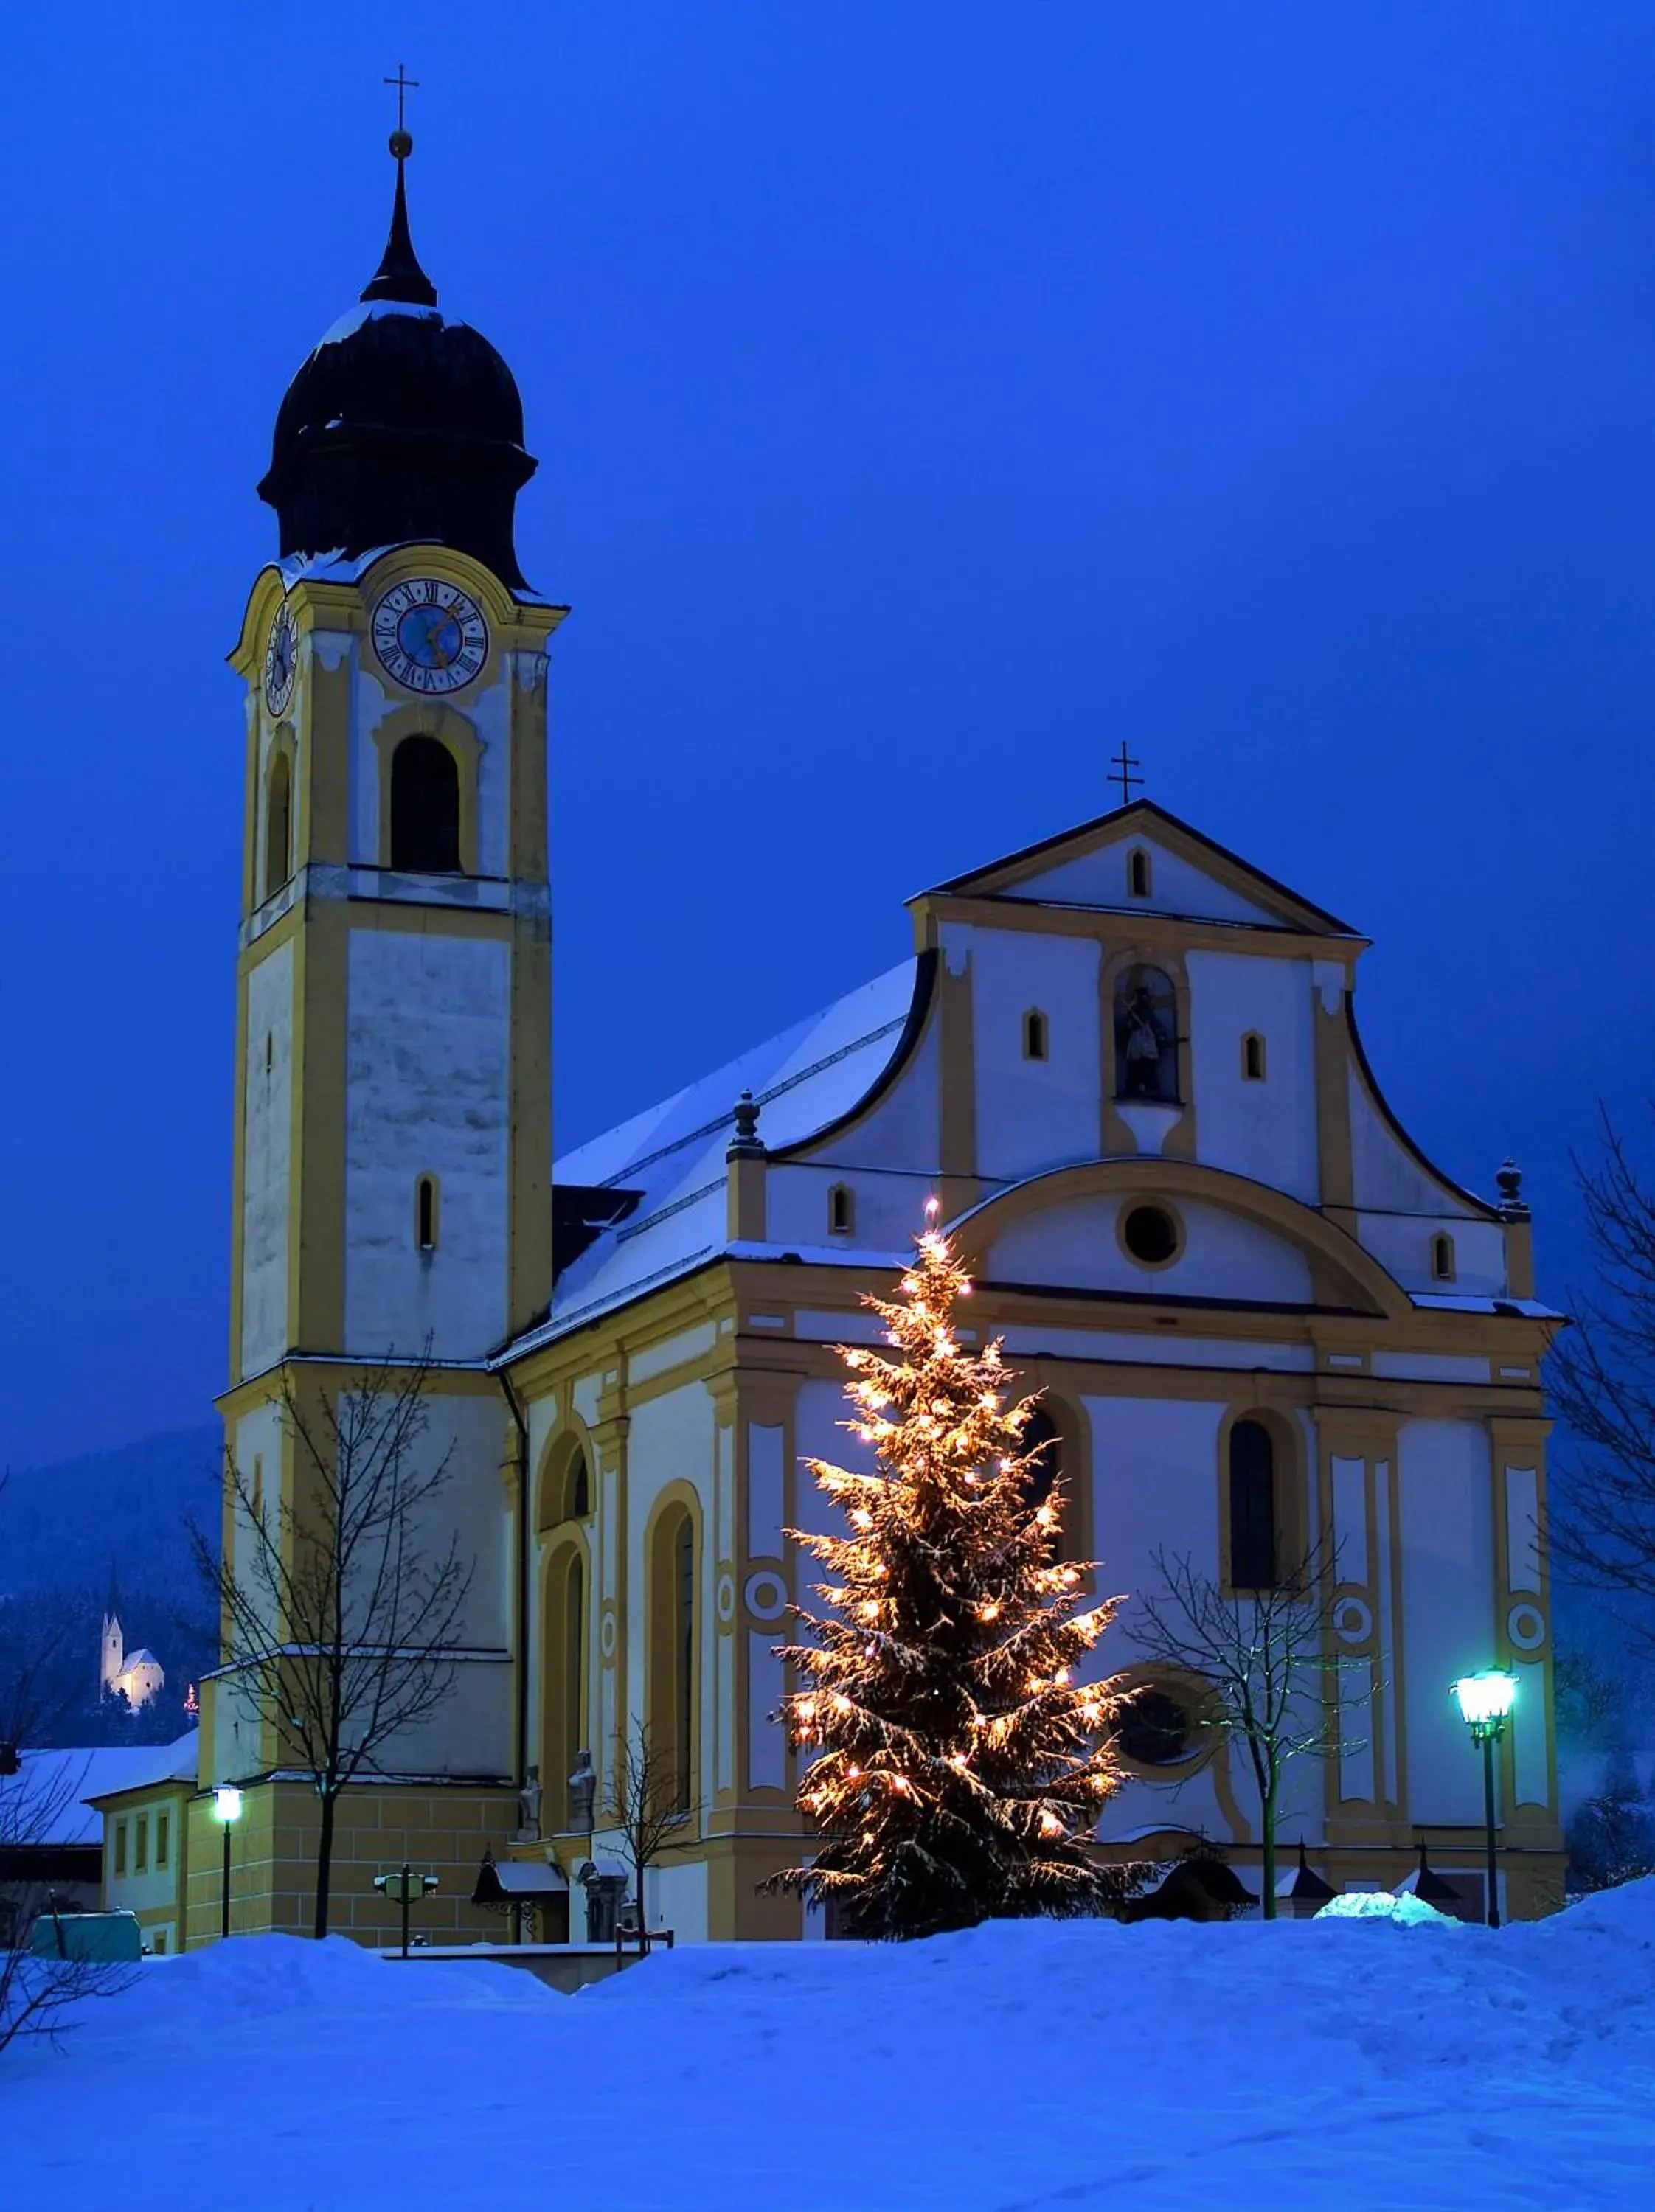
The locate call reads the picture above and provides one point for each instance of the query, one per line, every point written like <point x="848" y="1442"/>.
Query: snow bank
<point x="1402" y="1909"/>
<point x="1070" y="2067"/>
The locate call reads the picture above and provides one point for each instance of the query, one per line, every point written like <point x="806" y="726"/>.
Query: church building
<point x="1126" y="1061"/>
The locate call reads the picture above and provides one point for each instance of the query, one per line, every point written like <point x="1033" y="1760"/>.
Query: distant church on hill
<point x="135" y="1677"/>
<point x="1126" y="1059"/>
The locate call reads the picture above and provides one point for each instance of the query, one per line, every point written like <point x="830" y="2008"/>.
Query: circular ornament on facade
<point x="724" y="1597"/>
<point x="606" y="1633"/>
<point x="281" y="661"/>
<point x="766" y="1594"/>
<point x="1353" y="1622"/>
<point x="430" y="637"/>
<point x="1526" y="1627"/>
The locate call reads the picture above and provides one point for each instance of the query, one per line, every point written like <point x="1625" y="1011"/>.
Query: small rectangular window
<point x="163" y="1837"/>
<point x="1037" y="1035"/>
<point x="158" y="1942"/>
<point x="141" y="1846"/>
<point x="120" y="1847"/>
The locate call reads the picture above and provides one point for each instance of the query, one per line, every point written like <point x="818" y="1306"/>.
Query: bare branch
<point x="1274" y="1680"/>
<point x="340" y="1623"/>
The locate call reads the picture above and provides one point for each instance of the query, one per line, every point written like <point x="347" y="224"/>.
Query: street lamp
<point x="227" y="1811"/>
<point x="1485" y="1701"/>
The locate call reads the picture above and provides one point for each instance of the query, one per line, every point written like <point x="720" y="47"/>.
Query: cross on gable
<point x="1121" y="773"/>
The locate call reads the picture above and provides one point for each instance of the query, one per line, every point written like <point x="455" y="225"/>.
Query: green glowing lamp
<point x="226" y="1802"/>
<point x="1485" y="1701"/>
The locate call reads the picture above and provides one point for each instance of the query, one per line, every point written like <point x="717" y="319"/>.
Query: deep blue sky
<point x="927" y="394"/>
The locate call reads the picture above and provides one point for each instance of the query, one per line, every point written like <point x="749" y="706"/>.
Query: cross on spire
<point x="404" y="84"/>
<point x="1121" y="773"/>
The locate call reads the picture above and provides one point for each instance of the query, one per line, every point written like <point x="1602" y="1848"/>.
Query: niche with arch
<point x="1036" y="1035"/>
<point x="1146" y="1036"/>
<point x="842" y="1209"/>
<point x="1442" y="1258"/>
<point x="1252" y="1057"/>
<point x="1139" y="878"/>
<point x="424" y="808"/>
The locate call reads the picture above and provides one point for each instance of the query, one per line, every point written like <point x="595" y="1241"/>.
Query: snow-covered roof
<point x="49" y="1799"/>
<point x="140" y="1658"/>
<point x="802" y="1080"/>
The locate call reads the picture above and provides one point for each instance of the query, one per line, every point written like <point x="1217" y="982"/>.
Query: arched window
<point x="424" y="808"/>
<point x="673" y="1631"/>
<point x="425" y="1213"/>
<point x="1442" y="1259"/>
<point x="1037" y="1035"/>
<point x="278" y="823"/>
<point x="1137" y="874"/>
<point x="1253" y="1563"/>
<point x="1042" y="1446"/>
<point x="580" y="1488"/>
<point x="1042" y="1443"/>
<point x="565" y="1703"/>
<point x="1252" y="1057"/>
<point x="842" y="1211"/>
<point x="1146" y="1036"/>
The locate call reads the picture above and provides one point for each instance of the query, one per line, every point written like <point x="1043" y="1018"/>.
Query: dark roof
<point x="400" y="425"/>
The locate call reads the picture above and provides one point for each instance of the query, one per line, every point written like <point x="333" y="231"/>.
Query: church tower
<point x="112" y="1643"/>
<point x="392" y="1157"/>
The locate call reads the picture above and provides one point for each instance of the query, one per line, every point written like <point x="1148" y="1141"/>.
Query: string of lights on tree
<point x="957" y="1764"/>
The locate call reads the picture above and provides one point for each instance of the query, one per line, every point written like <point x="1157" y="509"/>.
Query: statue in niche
<point x="1145" y="1037"/>
<point x="528" y="1807"/>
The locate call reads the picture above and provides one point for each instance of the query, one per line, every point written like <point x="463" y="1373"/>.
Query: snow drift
<point x="1352" y="2064"/>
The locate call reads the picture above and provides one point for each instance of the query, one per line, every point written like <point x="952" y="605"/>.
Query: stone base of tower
<point x="436" y="1828"/>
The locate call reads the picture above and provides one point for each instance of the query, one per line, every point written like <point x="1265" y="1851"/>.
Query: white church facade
<point x="1126" y="1062"/>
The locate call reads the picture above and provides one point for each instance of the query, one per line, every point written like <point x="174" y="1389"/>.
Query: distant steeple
<point x="400" y="276"/>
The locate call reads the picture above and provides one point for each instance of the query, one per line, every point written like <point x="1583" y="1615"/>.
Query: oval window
<point x="1155" y="1729"/>
<point x="1150" y="1235"/>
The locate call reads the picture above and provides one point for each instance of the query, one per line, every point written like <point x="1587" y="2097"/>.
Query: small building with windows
<point x="1127" y="1063"/>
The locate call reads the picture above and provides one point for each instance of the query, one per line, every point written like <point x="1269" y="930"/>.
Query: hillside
<point x="63" y="1528"/>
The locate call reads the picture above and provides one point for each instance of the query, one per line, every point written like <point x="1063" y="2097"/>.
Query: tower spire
<point x="400" y="276"/>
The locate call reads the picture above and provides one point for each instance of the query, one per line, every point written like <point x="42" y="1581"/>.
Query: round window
<point x="1154" y="1731"/>
<point x="1150" y="1235"/>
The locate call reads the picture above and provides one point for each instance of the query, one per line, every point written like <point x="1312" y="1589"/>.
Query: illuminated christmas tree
<point x="961" y="1766"/>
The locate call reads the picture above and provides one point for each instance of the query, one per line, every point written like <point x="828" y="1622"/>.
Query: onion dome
<point x="400" y="425"/>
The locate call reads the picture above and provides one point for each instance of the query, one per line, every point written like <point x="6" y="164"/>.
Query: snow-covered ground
<point x="1336" y="2064"/>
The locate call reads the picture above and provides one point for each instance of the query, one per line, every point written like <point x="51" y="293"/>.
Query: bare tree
<point x="341" y="1617"/>
<point x="40" y="1995"/>
<point x="1602" y="1378"/>
<point x="646" y="1803"/>
<point x="1270" y="1680"/>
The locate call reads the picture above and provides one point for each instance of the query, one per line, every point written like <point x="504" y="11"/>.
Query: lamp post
<point x="227" y="1811"/>
<point x="1485" y="1701"/>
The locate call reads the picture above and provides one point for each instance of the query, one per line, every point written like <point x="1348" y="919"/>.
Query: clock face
<point x="281" y="661"/>
<point x="430" y="637"/>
